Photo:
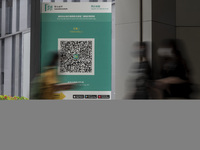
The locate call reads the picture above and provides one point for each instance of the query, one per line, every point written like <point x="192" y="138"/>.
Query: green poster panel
<point x="82" y="35"/>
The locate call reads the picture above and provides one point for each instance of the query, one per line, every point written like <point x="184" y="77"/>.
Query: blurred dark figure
<point x="142" y="89"/>
<point x="175" y="75"/>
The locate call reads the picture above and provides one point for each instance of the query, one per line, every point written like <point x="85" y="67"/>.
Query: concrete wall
<point x="127" y="33"/>
<point x="187" y="12"/>
<point x="188" y="30"/>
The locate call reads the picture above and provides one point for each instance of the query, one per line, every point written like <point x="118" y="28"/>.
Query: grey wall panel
<point x="160" y="32"/>
<point x="147" y="37"/>
<point x="191" y="39"/>
<point x="188" y="12"/>
<point x="127" y="11"/>
<point x="8" y="66"/>
<point x="17" y="65"/>
<point x="126" y="36"/>
<point x="127" y="33"/>
<point x="23" y="24"/>
<point x="164" y="11"/>
<point x="147" y="10"/>
<point x="25" y="64"/>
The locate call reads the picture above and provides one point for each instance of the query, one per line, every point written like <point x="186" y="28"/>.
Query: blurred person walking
<point x="143" y="81"/>
<point x="174" y="82"/>
<point x="43" y="86"/>
<point x="50" y="79"/>
<point x="46" y="84"/>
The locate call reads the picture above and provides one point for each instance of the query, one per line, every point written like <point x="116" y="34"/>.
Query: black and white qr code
<point x="76" y="56"/>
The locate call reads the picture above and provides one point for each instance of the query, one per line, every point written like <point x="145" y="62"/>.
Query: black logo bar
<point x="78" y="96"/>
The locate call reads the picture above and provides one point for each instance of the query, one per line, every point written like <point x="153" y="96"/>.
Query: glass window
<point x="18" y="12"/>
<point x="29" y="13"/>
<point x="8" y="16"/>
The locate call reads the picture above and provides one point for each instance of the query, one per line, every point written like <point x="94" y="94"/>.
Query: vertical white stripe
<point x="23" y="24"/>
<point x="3" y="18"/>
<point x="17" y="64"/>
<point x="26" y="64"/>
<point x="8" y="66"/>
<point x="14" y="16"/>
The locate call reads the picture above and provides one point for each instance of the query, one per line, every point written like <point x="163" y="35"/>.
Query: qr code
<point x="76" y="56"/>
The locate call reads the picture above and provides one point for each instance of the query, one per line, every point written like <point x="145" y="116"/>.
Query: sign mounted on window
<point x="82" y="35"/>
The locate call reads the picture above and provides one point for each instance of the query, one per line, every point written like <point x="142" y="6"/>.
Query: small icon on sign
<point x="103" y="96"/>
<point x="91" y="96"/>
<point x="78" y="96"/>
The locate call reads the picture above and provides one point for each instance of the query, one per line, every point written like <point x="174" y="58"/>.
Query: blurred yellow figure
<point x="46" y="84"/>
<point x="48" y="88"/>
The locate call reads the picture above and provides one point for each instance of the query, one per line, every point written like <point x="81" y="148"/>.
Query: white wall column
<point x="23" y="24"/>
<point x="8" y="66"/>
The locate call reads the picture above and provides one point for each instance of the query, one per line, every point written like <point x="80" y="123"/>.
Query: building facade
<point x="15" y="47"/>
